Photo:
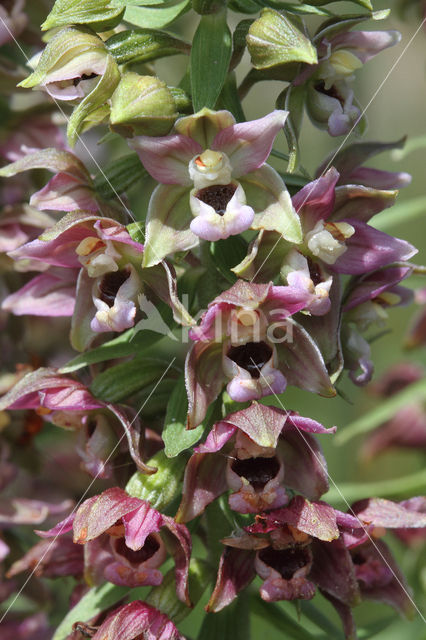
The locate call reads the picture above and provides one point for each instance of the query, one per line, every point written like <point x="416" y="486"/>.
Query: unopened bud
<point x="101" y="15"/>
<point x="142" y="105"/>
<point x="274" y="40"/>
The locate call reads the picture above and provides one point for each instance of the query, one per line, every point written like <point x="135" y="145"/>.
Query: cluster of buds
<point x="271" y="287"/>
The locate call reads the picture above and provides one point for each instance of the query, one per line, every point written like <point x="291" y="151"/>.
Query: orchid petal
<point x="204" y="126"/>
<point x="204" y="481"/>
<point x="236" y="571"/>
<point x="49" y="294"/>
<point x="248" y="144"/>
<point x="167" y="158"/>
<point x="370" y="249"/>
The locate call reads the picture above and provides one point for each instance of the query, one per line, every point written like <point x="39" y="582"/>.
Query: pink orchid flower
<point x="206" y="169"/>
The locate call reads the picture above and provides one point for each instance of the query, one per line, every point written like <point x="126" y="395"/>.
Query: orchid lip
<point x="149" y="549"/>
<point x="285" y="561"/>
<point x="251" y="356"/>
<point x="258" y="471"/>
<point x="110" y="284"/>
<point x="217" y="196"/>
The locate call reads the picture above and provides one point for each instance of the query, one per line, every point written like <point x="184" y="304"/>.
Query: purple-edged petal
<point x="25" y="511"/>
<point x="301" y="361"/>
<point x="333" y="571"/>
<point x="305" y="467"/>
<point x="139" y="524"/>
<point x="236" y="571"/>
<point x="60" y="528"/>
<point x="204" y="379"/>
<point x="385" y="513"/>
<point x="261" y="423"/>
<point x="316" y="200"/>
<point x="49" y="294"/>
<point x="179" y="544"/>
<point x="204" y="481"/>
<point x="360" y="202"/>
<point x="376" y="283"/>
<point x="365" y="44"/>
<point x="96" y="515"/>
<point x="51" y="559"/>
<point x="317" y="519"/>
<point x="369" y="249"/>
<point x="166" y="158"/>
<point x="45" y="388"/>
<point x="136" y="620"/>
<point x="379" y="179"/>
<point x="248" y="144"/>
<point x="64" y="192"/>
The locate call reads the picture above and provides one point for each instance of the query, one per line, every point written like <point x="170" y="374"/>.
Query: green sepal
<point x="101" y="15"/>
<point x="142" y="105"/>
<point x="95" y="99"/>
<point x="212" y="50"/>
<point x="143" y="45"/>
<point x="161" y="488"/>
<point x="274" y="40"/>
<point x="65" y="46"/>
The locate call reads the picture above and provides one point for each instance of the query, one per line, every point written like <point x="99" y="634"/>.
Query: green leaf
<point x="227" y="254"/>
<point x="125" y="379"/>
<point x="274" y="40"/>
<point x="157" y="16"/>
<point x="101" y="15"/>
<point x="211" y="49"/>
<point x="143" y="45"/>
<point x="161" y="488"/>
<point x="175" y="435"/>
<point x="320" y="619"/>
<point x="415" y="392"/>
<point x="413" y="484"/>
<point x="124" y="345"/>
<point x="232" y="623"/>
<point x="229" y="98"/>
<point x="119" y="175"/>
<point x="279" y="619"/>
<point x="93" y="602"/>
<point x="362" y="3"/>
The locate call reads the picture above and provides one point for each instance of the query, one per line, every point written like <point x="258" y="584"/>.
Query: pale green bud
<point x="274" y="40"/>
<point x="142" y="105"/>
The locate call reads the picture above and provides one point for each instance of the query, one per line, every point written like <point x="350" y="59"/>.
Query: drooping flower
<point x="127" y="541"/>
<point x="336" y="239"/>
<point x="366" y="305"/>
<point x="68" y="404"/>
<point x="137" y="620"/>
<point x="263" y="451"/>
<point x="330" y="102"/>
<point x="214" y="181"/>
<point x="246" y="337"/>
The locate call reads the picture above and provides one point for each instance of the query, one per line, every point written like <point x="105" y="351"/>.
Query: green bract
<point x="142" y="105"/>
<point x="99" y="14"/>
<point x="273" y="40"/>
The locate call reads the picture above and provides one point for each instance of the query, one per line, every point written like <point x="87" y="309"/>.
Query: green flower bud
<point x="70" y="65"/>
<point x="142" y="105"/>
<point x="143" y="45"/>
<point x="273" y="40"/>
<point x="101" y="15"/>
<point x="161" y="488"/>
